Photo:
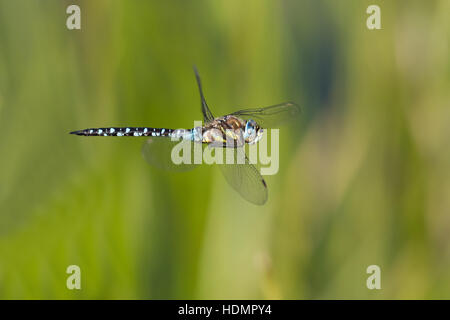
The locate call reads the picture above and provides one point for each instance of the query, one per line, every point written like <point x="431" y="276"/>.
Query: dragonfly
<point x="233" y="130"/>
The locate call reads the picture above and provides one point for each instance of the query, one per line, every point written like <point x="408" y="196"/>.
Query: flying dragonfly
<point x="240" y="128"/>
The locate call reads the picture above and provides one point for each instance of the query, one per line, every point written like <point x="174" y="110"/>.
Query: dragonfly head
<point x="253" y="132"/>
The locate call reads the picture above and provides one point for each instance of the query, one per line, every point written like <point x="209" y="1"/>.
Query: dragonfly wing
<point x="207" y="114"/>
<point x="163" y="153"/>
<point x="269" y="117"/>
<point x="246" y="180"/>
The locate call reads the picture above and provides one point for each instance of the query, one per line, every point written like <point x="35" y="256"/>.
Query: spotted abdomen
<point x="125" y="132"/>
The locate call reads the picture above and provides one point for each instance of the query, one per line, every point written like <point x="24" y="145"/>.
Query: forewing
<point x="207" y="114"/>
<point x="272" y="116"/>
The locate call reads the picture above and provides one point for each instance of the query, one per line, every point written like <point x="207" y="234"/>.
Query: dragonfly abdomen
<point x="125" y="132"/>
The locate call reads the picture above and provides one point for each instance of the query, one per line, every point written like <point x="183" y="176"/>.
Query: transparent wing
<point x="207" y="114"/>
<point x="163" y="153"/>
<point x="271" y="116"/>
<point x="246" y="180"/>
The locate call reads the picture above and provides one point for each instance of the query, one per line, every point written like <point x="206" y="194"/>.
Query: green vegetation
<point x="364" y="176"/>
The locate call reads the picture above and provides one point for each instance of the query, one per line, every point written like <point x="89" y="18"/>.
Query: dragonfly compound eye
<point x="250" y="129"/>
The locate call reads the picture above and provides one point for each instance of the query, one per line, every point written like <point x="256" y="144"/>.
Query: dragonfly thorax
<point x="231" y="130"/>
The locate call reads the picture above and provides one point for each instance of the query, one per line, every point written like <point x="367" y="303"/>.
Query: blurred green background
<point x="364" y="175"/>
